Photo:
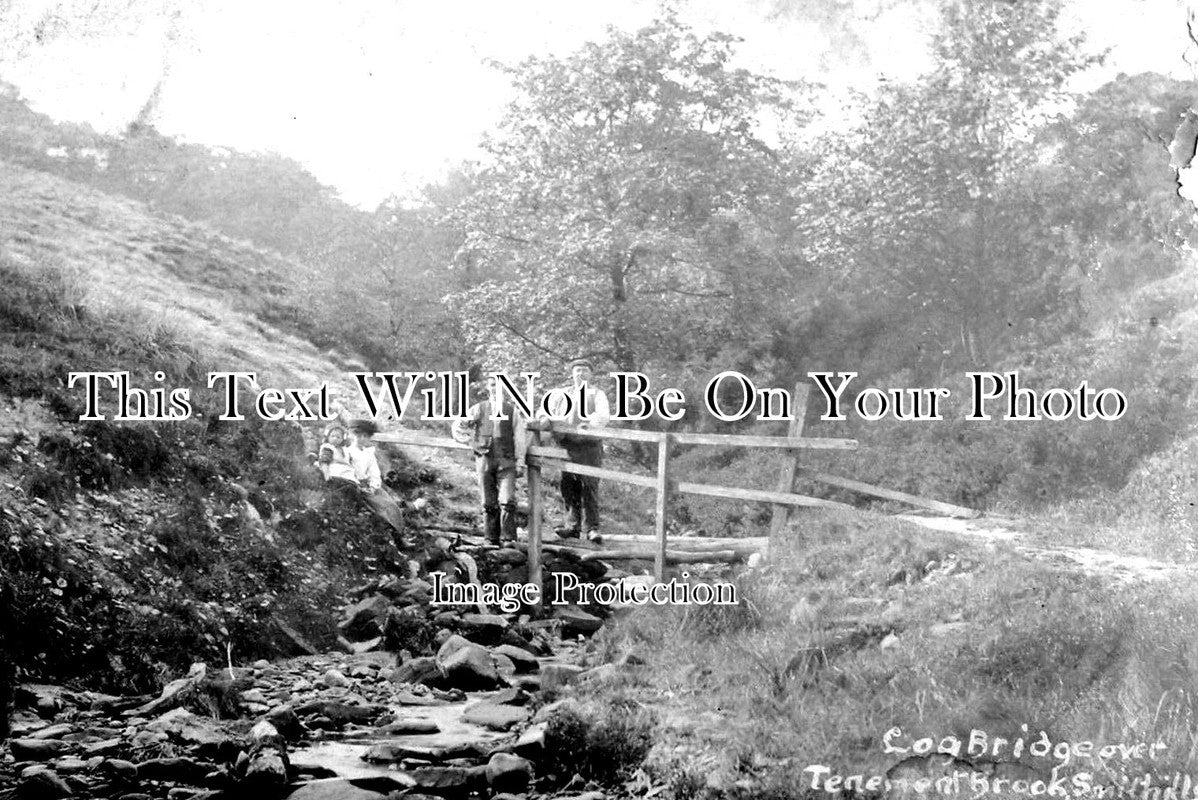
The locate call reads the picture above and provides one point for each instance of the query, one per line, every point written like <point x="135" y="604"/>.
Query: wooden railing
<point x="665" y="486"/>
<point x="663" y="483"/>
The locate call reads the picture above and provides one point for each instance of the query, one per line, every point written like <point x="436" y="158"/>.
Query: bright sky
<point x="380" y="96"/>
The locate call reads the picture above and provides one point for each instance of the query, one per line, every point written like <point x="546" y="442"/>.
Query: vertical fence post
<point x="786" y="481"/>
<point x="535" y="503"/>
<point x="663" y="504"/>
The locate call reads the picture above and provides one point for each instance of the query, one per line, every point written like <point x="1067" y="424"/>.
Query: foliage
<point x="605" y="747"/>
<point x="1023" y="464"/>
<point x="939" y="213"/>
<point x="1113" y="184"/>
<point x="126" y="549"/>
<point x="385" y="275"/>
<point x="132" y="588"/>
<point x="411" y="632"/>
<point x="629" y="209"/>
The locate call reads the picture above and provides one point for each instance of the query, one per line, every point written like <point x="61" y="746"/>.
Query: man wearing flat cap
<point x="581" y="405"/>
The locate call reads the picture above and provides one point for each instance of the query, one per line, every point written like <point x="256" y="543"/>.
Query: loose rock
<point x="494" y="716"/>
<point x="40" y="783"/>
<point x="37" y="749"/>
<point x="467" y="666"/>
<point x="508" y="773"/>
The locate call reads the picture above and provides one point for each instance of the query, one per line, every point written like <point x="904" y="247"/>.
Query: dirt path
<point x="1119" y="567"/>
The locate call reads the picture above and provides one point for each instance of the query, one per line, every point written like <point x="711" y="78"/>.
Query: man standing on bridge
<point x="497" y="444"/>
<point x="583" y="406"/>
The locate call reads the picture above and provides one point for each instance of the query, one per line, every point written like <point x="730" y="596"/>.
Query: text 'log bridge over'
<point x="665" y="486"/>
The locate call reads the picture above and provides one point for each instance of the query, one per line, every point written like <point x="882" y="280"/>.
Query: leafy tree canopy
<point x="629" y="205"/>
<point x="942" y="216"/>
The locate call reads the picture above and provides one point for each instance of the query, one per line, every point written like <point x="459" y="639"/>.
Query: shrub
<point x="406" y="631"/>
<point x="709" y="621"/>
<point x="606" y="749"/>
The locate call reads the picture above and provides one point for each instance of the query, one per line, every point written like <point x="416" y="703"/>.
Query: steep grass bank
<point x="131" y="549"/>
<point x="160" y="276"/>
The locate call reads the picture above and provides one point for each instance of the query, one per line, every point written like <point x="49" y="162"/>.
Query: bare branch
<point x="530" y="341"/>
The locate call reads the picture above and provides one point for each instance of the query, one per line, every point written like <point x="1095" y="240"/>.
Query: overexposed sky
<point x="380" y="96"/>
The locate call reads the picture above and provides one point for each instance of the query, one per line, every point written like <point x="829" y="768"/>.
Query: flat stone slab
<point x="524" y="660"/>
<point x="393" y="752"/>
<point x="404" y="698"/>
<point x="494" y="716"/>
<point x="410" y="727"/>
<point x="348" y="789"/>
<point x="449" y="779"/>
<point x="37" y="749"/>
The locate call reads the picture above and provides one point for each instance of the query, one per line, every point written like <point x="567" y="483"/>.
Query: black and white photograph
<point x="529" y="400"/>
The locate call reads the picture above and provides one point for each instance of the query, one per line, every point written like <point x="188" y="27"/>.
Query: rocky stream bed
<point x="462" y="711"/>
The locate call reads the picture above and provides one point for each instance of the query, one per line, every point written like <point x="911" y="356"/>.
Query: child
<point x="335" y="460"/>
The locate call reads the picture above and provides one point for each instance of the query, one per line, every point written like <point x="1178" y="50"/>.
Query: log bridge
<point x="682" y="549"/>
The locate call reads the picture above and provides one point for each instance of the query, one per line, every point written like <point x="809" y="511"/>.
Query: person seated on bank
<point x="498" y="446"/>
<point x="335" y="461"/>
<point x="370" y="478"/>
<point x="351" y="472"/>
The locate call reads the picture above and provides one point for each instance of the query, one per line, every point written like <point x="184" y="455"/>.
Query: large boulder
<point x="268" y="764"/>
<point x="484" y="628"/>
<point x="467" y="666"/>
<point x="523" y="660"/>
<point x="417" y="670"/>
<point x="508" y="773"/>
<point x="364" y="619"/>
<point x="42" y="783"/>
<point x="575" y="620"/>
<point x="451" y="781"/>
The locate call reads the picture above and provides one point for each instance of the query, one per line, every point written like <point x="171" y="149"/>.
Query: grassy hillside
<point x="132" y="549"/>
<point x="165" y="277"/>
<point x="936" y="635"/>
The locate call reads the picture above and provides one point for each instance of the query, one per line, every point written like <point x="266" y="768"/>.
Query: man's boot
<point x="492" y="524"/>
<point x="507" y="522"/>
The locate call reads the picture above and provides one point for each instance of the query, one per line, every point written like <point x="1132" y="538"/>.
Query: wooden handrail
<point x="774" y="442"/>
<point x="622" y="434"/>
<point x="418" y="440"/>
<point x="663" y="482"/>
<point x="716" y="439"/>
<point x="634" y="435"/>
<point x="598" y="472"/>
<point x="759" y="495"/>
<point x="947" y="509"/>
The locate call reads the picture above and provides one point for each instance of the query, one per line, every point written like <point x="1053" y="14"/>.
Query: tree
<point x="942" y="217"/>
<point x="1116" y="185"/>
<point x="628" y="206"/>
<point x="410" y="253"/>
